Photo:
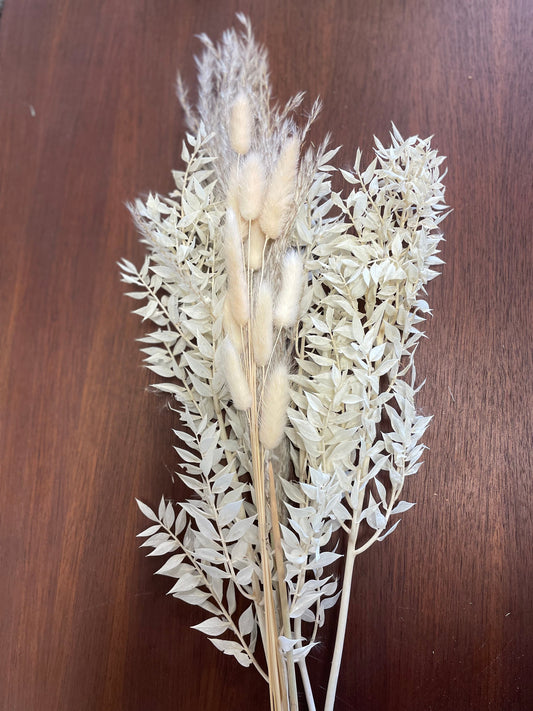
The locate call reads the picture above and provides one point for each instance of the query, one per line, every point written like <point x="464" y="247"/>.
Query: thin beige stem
<point x="282" y="590"/>
<point x="343" y="617"/>
<point x="278" y="689"/>
<point x="270" y="640"/>
<point x="351" y="553"/>
<point x="346" y="590"/>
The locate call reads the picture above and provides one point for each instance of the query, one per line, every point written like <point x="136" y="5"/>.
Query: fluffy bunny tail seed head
<point x="288" y="302"/>
<point x="256" y="246"/>
<point x="232" y="200"/>
<point x="237" y="286"/>
<point x="251" y="187"/>
<point x="240" y="125"/>
<point x="274" y="410"/>
<point x="280" y="192"/>
<point x="262" y="332"/>
<point x="231" y="329"/>
<point x="234" y="375"/>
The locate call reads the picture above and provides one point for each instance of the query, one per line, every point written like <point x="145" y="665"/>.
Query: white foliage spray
<point x="284" y="320"/>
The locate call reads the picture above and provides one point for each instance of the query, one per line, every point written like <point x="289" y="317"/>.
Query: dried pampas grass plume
<point x="240" y="126"/>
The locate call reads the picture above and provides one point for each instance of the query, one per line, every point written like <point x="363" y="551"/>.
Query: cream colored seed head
<point x="256" y="246"/>
<point x="231" y="330"/>
<point x="262" y="331"/>
<point x="235" y="377"/>
<point x="237" y="286"/>
<point x="251" y="187"/>
<point x="240" y="125"/>
<point x="274" y="409"/>
<point x="280" y="192"/>
<point x="288" y="302"/>
<point x="232" y="199"/>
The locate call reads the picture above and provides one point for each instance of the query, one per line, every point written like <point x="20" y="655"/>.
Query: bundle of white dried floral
<point x="286" y="319"/>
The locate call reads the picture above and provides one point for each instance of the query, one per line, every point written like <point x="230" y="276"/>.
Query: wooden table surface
<point x="442" y="613"/>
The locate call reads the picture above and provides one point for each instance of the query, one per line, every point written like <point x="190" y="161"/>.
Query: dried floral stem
<point x="278" y="692"/>
<point x="352" y="551"/>
<point x="304" y="674"/>
<point x="349" y="561"/>
<point x="282" y="590"/>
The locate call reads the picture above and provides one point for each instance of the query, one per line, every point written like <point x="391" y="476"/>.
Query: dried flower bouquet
<point x="285" y="320"/>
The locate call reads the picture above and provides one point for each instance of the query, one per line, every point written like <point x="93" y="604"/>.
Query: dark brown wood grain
<point x="441" y="616"/>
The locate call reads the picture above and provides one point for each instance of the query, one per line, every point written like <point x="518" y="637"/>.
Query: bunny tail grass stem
<point x="277" y="685"/>
<point x="284" y="604"/>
